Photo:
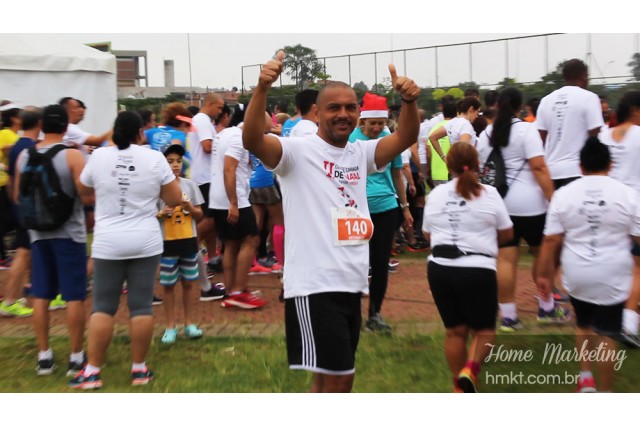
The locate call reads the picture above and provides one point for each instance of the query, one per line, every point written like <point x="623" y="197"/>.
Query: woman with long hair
<point x="128" y="180"/>
<point x="530" y="188"/>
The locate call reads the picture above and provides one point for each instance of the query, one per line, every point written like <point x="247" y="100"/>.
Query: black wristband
<point x="407" y="101"/>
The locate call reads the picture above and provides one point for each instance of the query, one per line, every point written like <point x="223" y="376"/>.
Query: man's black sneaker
<point x="157" y="300"/>
<point x="45" y="367"/>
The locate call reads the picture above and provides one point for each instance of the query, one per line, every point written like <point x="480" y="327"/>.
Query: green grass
<point x="406" y="364"/>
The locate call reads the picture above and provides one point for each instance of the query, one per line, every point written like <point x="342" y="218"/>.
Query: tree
<point x="301" y="64"/>
<point x="555" y="77"/>
<point x="456" y="92"/>
<point x="438" y="94"/>
<point x="635" y="66"/>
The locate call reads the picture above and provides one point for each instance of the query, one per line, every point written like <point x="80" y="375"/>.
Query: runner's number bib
<point x="350" y="227"/>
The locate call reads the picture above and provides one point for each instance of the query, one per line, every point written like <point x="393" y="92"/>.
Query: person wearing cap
<point x="176" y="123"/>
<point x="59" y="256"/>
<point x="308" y="125"/>
<point x="384" y="191"/>
<point x="128" y="181"/>
<point x="11" y="123"/>
<point x="323" y="181"/>
<point x="180" y="257"/>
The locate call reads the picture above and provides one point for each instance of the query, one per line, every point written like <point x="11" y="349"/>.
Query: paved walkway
<point x="408" y="307"/>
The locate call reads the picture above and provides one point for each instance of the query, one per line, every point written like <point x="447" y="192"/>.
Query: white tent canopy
<point x="35" y="71"/>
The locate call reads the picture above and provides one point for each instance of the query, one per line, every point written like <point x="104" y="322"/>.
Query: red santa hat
<point x="374" y="106"/>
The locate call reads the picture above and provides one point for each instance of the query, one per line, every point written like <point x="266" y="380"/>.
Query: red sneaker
<point x="259" y="269"/>
<point x="587" y="385"/>
<point x="246" y="300"/>
<point x="276" y="268"/>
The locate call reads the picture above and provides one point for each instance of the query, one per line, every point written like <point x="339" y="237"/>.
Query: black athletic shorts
<point x="559" y="183"/>
<point x="464" y="295"/>
<point x="204" y="189"/>
<point x="264" y="196"/>
<point x="22" y="239"/>
<point x="323" y="331"/>
<point x="604" y="319"/>
<point x="246" y="225"/>
<point x="420" y="189"/>
<point x="529" y="228"/>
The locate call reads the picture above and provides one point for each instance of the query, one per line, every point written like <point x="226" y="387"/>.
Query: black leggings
<point x="385" y="225"/>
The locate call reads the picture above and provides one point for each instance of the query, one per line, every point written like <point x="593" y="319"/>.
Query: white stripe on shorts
<point x="306" y="332"/>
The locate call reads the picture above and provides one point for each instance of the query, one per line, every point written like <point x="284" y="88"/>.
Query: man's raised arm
<point x="408" y="122"/>
<point x="265" y="147"/>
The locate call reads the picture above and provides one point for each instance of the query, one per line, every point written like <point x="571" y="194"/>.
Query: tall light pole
<point x="190" y="81"/>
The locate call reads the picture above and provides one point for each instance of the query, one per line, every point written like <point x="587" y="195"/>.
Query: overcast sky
<point x="223" y="38"/>
<point x="217" y="59"/>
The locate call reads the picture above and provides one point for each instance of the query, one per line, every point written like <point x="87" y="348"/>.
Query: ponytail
<point x="462" y="161"/>
<point x="509" y="101"/>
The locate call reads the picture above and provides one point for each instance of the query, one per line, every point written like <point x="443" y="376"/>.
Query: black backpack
<point x="42" y="204"/>
<point x="494" y="172"/>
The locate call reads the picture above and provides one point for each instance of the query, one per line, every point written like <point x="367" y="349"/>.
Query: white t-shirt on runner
<point x="127" y="184"/>
<point x="228" y="143"/>
<point x="525" y="197"/>
<point x="75" y="135"/>
<point x="457" y="127"/>
<point x="303" y="128"/>
<point x="625" y="156"/>
<point x="423" y="134"/>
<point x="597" y="216"/>
<point x="316" y="177"/>
<point x="470" y="224"/>
<point x="567" y="115"/>
<point x="201" y="161"/>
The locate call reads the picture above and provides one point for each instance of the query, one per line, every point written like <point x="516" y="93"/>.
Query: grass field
<point x="385" y="364"/>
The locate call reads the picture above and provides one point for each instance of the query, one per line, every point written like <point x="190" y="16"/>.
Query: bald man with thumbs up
<point x="323" y="180"/>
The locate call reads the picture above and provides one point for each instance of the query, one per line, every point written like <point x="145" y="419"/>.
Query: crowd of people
<point x="213" y="189"/>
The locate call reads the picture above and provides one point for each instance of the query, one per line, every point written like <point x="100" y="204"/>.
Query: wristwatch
<point x="404" y="205"/>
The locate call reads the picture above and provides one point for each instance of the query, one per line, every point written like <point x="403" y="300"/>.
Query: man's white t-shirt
<point x="525" y="197"/>
<point x="597" y="216"/>
<point x="303" y="128"/>
<point x="423" y="135"/>
<point x="75" y="135"/>
<point x="457" y="127"/>
<point x="228" y="143"/>
<point x="567" y="115"/>
<point x="201" y="161"/>
<point x="470" y="224"/>
<point x="127" y="184"/>
<point x="625" y="156"/>
<point x="316" y="177"/>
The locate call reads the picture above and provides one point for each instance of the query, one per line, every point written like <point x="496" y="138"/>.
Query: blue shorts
<point x="172" y="268"/>
<point x="59" y="266"/>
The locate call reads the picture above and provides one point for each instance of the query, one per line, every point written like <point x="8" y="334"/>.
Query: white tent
<point x="35" y="71"/>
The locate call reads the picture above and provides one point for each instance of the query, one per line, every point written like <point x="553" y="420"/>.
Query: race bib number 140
<point x="350" y="227"/>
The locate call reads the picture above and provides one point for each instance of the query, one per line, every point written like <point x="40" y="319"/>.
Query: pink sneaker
<point x="246" y="300"/>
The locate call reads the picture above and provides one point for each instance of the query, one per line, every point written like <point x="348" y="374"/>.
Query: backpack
<point x="43" y="205"/>
<point x="494" y="172"/>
